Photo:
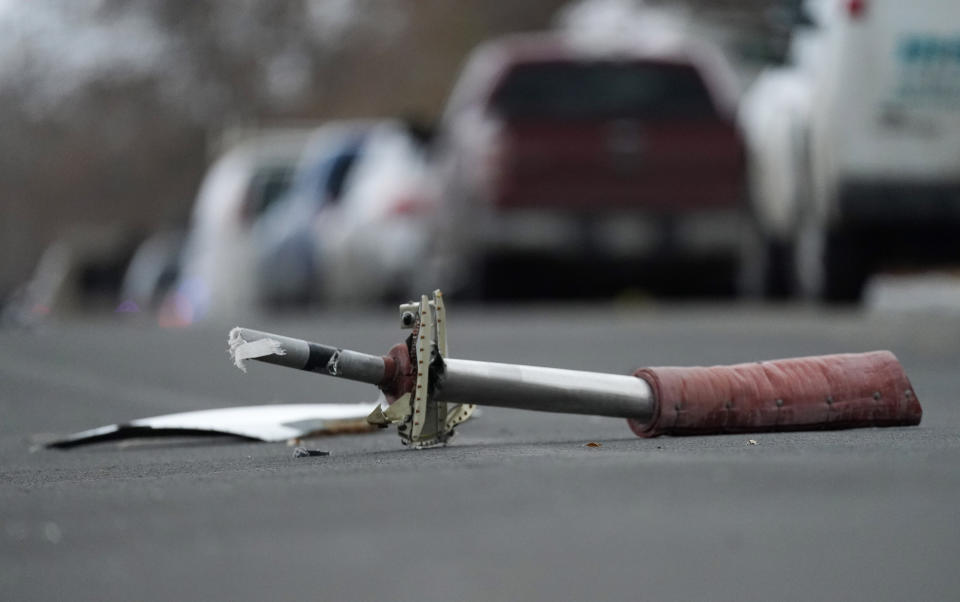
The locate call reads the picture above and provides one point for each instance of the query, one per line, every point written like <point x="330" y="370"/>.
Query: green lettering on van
<point x="927" y="49"/>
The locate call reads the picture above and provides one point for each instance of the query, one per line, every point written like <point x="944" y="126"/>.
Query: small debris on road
<point x="52" y="533"/>
<point x="302" y="452"/>
<point x="751" y="441"/>
<point x="593" y="444"/>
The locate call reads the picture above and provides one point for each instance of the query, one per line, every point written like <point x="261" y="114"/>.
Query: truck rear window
<point x="563" y="90"/>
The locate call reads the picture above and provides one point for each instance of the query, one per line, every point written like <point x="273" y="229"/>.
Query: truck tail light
<point x="857" y="9"/>
<point x="410" y="205"/>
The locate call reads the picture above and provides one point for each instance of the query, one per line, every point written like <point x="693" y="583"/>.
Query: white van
<point x="855" y="145"/>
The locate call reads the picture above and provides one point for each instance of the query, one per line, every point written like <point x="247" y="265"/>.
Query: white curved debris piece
<point x="277" y="422"/>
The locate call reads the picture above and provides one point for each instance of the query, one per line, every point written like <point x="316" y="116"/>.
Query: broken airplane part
<point x="278" y="422"/>
<point x="430" y="393"/>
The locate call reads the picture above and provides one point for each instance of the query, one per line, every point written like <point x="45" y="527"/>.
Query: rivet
<point x="829" y="399"/>
<point x="728" y="405"/>
<point x="779" y="403"/>
<point x="876" y="395"/>
<point x="677" y="407"/>
<point x="908" y="393"/>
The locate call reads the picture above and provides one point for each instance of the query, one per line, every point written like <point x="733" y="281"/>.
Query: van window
<point x="576" y="90"/>
<point x="268" y="185"/>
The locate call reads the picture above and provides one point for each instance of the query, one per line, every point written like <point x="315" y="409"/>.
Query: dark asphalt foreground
<point x="517" y="508"/>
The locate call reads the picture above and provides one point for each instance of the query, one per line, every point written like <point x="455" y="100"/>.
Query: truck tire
<point x="830" y="265"/>
<point x="765" y="269"/>
<point x="845" y="267"/>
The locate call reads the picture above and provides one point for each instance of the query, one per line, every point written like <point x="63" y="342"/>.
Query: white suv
<point x="855" y="146"/>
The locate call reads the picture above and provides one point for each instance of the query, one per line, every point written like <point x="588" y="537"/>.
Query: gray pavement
<point x="517" y="508"/>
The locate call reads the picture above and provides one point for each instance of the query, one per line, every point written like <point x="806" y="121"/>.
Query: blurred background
<point x="189" y="159"/>
<point x="594" y="184"/>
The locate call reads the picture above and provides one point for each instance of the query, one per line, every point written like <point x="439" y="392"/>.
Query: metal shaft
<point x="545" y="389"/>
<point x="481" y="383"/>
<point x="314" y="357"/>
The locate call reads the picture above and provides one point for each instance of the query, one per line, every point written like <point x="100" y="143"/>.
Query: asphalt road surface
<point x="516" y="508"/>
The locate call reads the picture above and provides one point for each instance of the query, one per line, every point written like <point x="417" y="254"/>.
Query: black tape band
<point x="319" y="357"/>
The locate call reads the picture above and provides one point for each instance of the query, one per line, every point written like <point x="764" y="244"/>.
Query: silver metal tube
<point x="481" y="383"/>
<point x="356" y="366"/>
<point x="545" y="389"/>
<point x="314" y="357"/>
<point x="297" y="351"/>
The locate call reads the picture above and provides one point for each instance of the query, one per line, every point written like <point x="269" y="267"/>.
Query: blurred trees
<point x="106" y="106"/>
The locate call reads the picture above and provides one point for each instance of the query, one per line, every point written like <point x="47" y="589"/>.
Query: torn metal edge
<point x="270" y="423"/>
<point x="241" y="350"/>
<point x="118" y="432"/>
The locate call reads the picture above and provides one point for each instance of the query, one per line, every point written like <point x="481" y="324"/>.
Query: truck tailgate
<point x="663" y="166"/>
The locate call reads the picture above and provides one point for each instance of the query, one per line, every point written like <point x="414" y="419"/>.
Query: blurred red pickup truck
<point x="604" y="158"/>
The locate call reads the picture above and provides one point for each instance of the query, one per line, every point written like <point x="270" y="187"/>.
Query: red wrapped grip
<point x="809" y="393"/>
